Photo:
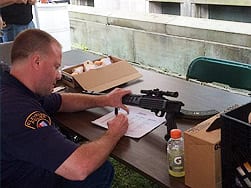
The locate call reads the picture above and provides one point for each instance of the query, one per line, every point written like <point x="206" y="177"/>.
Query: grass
<point x="126" y="177"/>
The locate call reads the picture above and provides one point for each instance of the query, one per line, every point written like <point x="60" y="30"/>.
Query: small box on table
<point x="105" y="76"/>
<point x="202" y="156"/>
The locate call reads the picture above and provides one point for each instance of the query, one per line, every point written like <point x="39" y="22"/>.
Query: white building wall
<point x="193" y="8"/>
<point x="123" y="5"/>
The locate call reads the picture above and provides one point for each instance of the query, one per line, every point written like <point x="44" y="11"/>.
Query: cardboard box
<point x="101" y="79"/>
<point x="202" y="156"/>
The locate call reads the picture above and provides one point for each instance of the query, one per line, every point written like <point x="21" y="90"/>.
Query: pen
<point x="116" y="111"/>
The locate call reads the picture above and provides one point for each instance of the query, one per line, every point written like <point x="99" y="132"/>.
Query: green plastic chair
<point x="232" y="73"/>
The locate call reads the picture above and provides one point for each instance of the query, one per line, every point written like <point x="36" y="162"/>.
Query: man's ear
<point x="35" y="61"/>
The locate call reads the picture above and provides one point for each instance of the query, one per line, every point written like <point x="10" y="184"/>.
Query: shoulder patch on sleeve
<point x="37" y="120"/>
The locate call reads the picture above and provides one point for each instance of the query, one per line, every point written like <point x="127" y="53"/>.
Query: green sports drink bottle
<point x="175" y="154"/>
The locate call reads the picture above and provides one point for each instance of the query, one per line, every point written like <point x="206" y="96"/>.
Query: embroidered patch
<point x="37" y="120"/>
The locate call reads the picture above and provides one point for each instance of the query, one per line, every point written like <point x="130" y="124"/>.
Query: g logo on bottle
<point x="178" y="160"/>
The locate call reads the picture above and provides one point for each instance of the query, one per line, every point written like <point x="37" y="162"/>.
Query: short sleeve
<point x="51" y="103"/>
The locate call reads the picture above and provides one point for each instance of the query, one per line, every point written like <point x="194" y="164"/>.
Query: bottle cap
<point x="175" y="133"/>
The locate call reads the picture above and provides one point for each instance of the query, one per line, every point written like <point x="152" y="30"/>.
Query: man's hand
<point x="1" y="23"/>
<point x="21" y="1"/>
<point x="4" y="3"/>
<point x="118" y="126"/>
<point x="115" y="98"/>
<point x="32" y="2"/>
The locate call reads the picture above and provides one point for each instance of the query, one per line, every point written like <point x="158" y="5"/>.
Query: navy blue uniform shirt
<point x="32" y="148"/>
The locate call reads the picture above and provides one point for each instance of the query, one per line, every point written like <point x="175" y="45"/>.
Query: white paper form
<point x="141" y="121"/>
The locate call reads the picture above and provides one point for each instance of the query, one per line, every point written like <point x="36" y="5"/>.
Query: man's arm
<point x="88" y="157"/>
<point x="4" y="3"/>
<point x="72" y="102"/>
<point x="1" y="23"/>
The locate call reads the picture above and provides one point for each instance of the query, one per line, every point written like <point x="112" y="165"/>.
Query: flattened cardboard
<point x="101" y="79"/>
<point x="202" y="156"/>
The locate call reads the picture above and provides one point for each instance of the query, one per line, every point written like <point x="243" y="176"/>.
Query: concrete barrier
<point x="164" y="42"/>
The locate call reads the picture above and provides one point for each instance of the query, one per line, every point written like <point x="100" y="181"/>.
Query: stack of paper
<point x="141" y="121"/>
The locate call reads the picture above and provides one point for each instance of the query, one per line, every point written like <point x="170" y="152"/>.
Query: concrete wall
<point x="166" y="42"/>
<point x="194" y="8"/>
<point x="122" y="5"/>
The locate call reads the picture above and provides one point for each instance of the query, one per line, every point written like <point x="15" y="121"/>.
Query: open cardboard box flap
<point x="108" y="76"/>
<point x="199" y="132"/>
<point x="103" y="78"/>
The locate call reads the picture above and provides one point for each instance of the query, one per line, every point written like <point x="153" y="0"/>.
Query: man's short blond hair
<point x="30" y="41"/>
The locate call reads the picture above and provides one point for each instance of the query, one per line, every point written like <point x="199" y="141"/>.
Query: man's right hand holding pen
<point x="119" y="125"/>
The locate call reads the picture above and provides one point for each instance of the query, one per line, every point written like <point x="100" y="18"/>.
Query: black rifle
<point x="156" y="101"/>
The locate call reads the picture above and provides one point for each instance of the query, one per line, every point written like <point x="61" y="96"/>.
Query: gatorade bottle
<point x="175" y="154"/>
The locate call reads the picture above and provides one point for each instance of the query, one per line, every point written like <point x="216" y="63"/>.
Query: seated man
<point x="34" y="152"/>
